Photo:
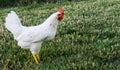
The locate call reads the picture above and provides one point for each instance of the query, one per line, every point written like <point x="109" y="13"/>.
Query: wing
<point x="33" y="35"/>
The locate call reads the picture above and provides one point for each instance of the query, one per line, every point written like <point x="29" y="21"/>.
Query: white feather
<point x="13" y="24"/>
<point x="31" y="37"/>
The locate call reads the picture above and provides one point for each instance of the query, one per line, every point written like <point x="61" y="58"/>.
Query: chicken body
<point x="32" y="37"/>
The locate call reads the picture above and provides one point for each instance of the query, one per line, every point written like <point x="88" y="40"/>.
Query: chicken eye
<point x="59" y="15"/>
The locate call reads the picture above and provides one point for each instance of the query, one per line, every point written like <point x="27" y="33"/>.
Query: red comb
<point x="60" y="10"/>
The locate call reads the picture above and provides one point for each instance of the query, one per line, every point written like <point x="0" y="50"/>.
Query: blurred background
<point x="8" y="3"/>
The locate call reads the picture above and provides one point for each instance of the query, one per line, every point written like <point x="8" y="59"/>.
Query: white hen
<point x="32" y="37"/>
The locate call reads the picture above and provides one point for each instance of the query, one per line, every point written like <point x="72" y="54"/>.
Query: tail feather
<point x="13" y="24"/>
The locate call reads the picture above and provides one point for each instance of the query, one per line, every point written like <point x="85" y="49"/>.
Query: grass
<point x="87" y="39"/>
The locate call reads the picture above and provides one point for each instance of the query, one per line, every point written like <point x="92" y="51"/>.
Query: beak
<point x="63" y="16"/>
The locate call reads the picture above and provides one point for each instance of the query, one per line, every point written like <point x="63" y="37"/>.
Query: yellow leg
<point x="37" y="55"/>
<point x="35" y="59"/>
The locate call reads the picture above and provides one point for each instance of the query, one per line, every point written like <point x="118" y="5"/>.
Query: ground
<point x="87" y="39"/>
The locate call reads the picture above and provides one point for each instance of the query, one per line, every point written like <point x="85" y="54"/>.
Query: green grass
<point x="87" y="39"/>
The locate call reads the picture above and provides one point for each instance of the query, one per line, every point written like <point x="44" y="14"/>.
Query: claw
<point x="36" y="58"/>
<point x="37" y="55"/>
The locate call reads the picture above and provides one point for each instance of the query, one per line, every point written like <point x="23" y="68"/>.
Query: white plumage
<point x="32" y="37"/>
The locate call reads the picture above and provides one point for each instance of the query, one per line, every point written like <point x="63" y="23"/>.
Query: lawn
<point x="87" y="39"/>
